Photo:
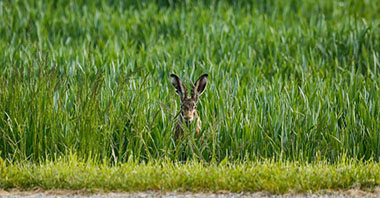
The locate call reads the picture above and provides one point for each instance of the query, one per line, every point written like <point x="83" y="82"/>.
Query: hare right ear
<point x="179" y="87"/>
<point x="199" y="86"/>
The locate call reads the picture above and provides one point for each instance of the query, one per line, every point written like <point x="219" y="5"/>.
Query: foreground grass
<point x="267" y="176"/>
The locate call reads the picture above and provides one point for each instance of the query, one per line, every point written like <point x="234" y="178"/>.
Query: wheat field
<point x="288" y="80"/>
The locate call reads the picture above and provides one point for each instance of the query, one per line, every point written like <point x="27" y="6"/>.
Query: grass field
<point x="294" y="81"/>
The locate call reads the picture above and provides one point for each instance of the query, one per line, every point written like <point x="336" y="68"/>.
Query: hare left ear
<point x="180" y="88"/>
<point x="199" y="86"/>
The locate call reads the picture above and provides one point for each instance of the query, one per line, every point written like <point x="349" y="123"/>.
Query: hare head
<point x="189" y="104"/>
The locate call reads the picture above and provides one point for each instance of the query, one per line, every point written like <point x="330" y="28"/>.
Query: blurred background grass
<point x="295" y="80"/>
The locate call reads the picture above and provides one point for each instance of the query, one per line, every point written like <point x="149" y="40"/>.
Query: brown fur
<point x="189" y="105"/>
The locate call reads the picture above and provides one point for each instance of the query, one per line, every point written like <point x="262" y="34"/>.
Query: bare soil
<point x="16" y="193"/>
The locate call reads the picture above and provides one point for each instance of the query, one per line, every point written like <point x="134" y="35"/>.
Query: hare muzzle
<point x="189" y="111"/>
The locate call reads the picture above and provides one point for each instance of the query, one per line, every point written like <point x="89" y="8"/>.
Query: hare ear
<point x="179" y="88"/>
<point x="199" y="86"/>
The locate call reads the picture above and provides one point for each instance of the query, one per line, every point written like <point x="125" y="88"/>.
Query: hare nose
<point x="188" y="116"/>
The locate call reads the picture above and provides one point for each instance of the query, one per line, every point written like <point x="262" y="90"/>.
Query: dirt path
<point x="81" y="194"/>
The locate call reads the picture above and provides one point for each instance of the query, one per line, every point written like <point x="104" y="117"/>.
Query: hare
<point x="188" y="105"/>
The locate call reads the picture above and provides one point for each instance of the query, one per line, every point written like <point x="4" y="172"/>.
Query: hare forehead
<point x="189" y="103"/>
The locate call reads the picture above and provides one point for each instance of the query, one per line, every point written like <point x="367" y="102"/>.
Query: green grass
<point x="289" y="80"/>
<point x="264" y="176"/>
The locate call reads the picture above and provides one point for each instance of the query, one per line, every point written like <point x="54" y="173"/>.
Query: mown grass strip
<point x="267" y="176"/>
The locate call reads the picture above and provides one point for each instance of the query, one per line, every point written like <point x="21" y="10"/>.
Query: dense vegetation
<point x="291" y="80"/>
